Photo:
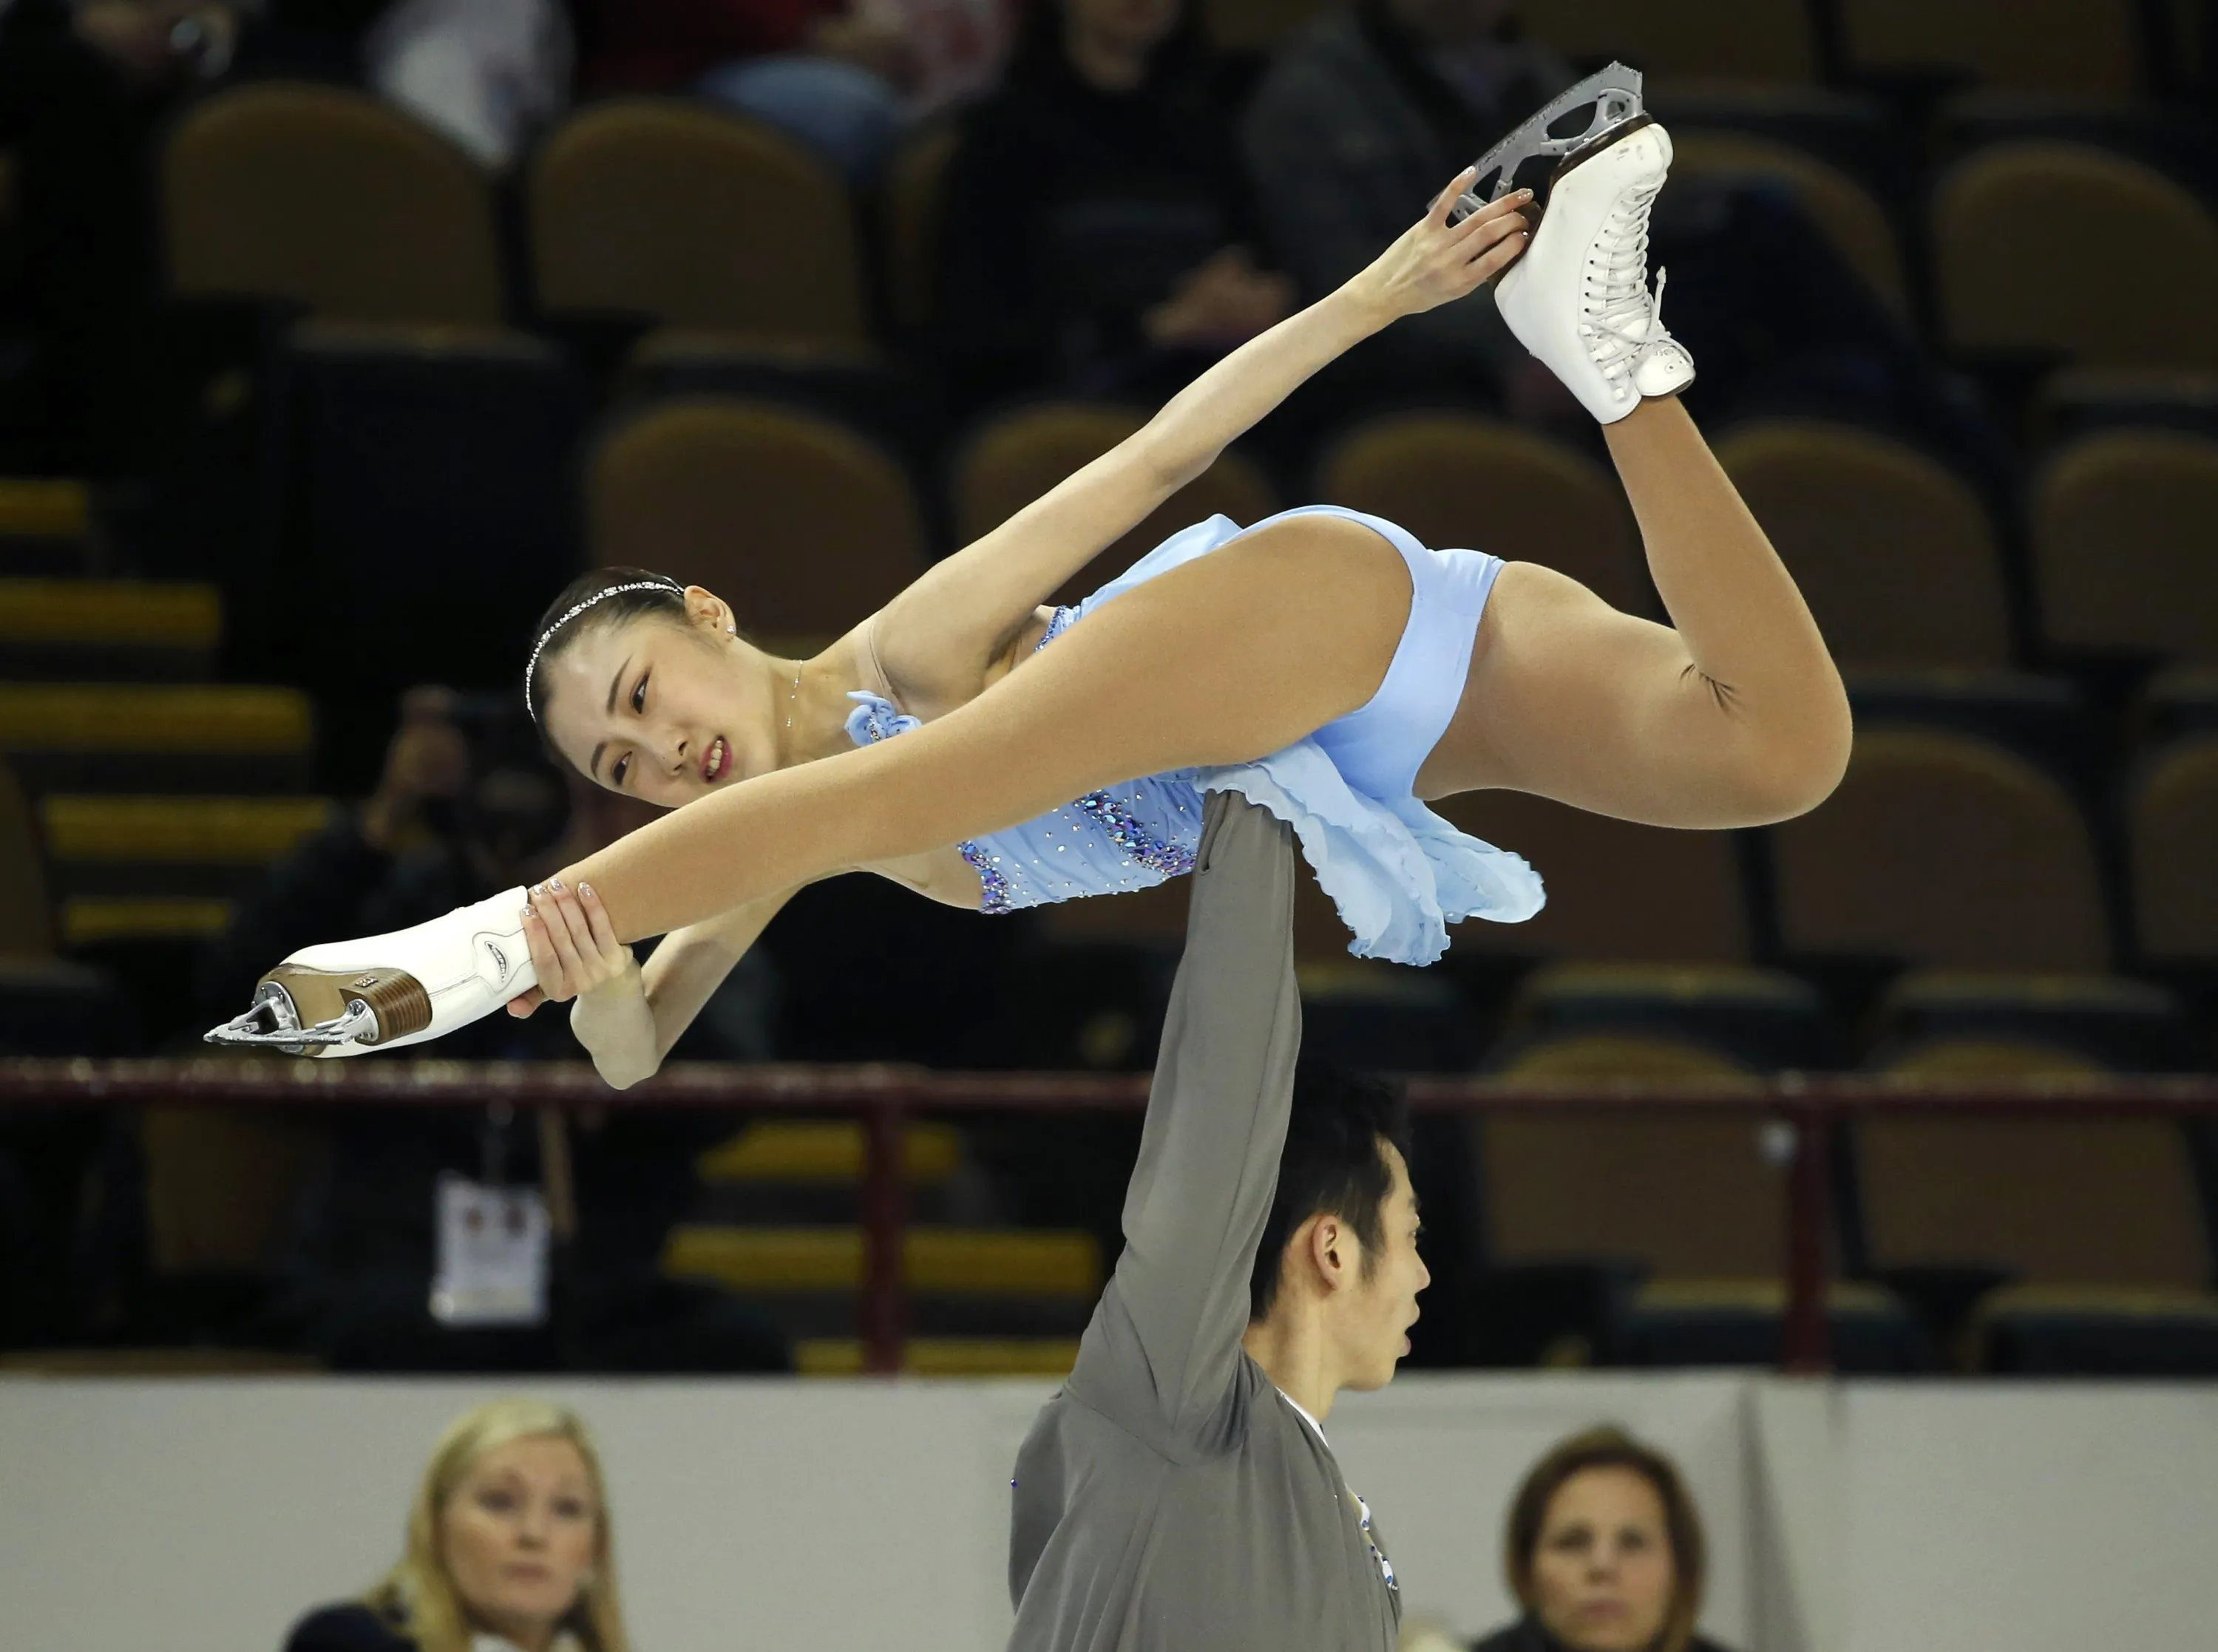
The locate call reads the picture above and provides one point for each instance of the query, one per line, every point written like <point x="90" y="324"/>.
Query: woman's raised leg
<point x="1733" y="715"/>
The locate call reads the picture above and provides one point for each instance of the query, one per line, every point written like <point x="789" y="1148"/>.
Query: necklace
<point x="793" y="696"/>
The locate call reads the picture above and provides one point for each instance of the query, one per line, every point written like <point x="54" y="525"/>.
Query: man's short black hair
<point x="1332" y="1163"/>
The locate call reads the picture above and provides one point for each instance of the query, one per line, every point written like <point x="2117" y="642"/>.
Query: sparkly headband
<point x="571" y="613"/>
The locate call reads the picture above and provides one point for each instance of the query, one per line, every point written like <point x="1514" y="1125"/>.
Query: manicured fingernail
<point x="585" y="888"/>
<point x="529" y="915"/>
<point x="554" y="886"/>
<point x="1524" y="194"/>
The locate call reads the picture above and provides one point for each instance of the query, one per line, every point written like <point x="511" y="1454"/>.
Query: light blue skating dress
<point x="1398" y="873"/>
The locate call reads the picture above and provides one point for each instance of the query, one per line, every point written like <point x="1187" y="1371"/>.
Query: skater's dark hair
<point x="600" y="597"/>
<point x="1334" y="1163"/>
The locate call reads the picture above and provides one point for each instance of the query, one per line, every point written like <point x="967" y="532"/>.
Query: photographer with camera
<point x="428" y="1244"/>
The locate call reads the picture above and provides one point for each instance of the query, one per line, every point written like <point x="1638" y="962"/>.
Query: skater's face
<point x="518" y="1536"/>
<point x="1603" y="1571"/>
<point x="661" y="708"/>
<point x="1378" y="1309"/>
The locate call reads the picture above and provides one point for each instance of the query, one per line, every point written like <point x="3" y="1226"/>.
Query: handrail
<point x="1809" y="1104"/>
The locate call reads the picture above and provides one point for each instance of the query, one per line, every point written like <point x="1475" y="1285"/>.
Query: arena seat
<point x="2043" y="717"/>
<point x="803" y="525"/>
<point x="2007" y="283"/>
<point x="1008" y="461"/>
<point x="1457" y="480"/>
<point x="2105" y="1023"/>
<point x="915" y="179"/>
<point x="2089" y="46"/>
<point x="1944" y="850"/>
<point x="45" y="526"/>
<point x="87" y="629"/>
<point x="1894" y="553"/>
<point x="1616" y="890"/>
<point x="2076" y="401"/>
<point x="1765" y="1020"/>
<point x="2092" y="1227"/>
<point x="2123" y="555"/>
<point x="330" y="199"/>
<point x="147" y="738"/>
<point x="2179" y="700"/>
<point x="1845" y="212"/>
<point x="1754" y="39"/>
<point x="1667" y="1230"/>
<point x="128" y="868"/>
<point x="48" y="1006"/>
<point x="886" y="399"/>
<point x="666" y="211"/>
<point x="2172" y="827"/>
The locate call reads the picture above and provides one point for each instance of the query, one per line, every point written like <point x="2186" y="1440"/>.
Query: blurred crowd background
<point x="336" y="335"/>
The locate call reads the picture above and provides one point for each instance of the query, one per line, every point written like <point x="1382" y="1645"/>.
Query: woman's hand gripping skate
<point x="577" y="956"/>
<point x="1434" y="262"/>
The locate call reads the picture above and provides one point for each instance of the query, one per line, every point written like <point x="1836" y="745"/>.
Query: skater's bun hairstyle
<point x="1609" y="1446"/>
<point x="1333" y="1163"/>
<point x="603" y="596"/>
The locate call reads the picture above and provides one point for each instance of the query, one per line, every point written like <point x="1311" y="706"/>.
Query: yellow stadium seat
<point x="1946" y="851"/>
<point x="1014" y="459"/>
<point x="109" y="737"/>
<point x="915" y="178"/>
<point x="1455" y="480"/>
<point x="87" y="629"/>
<point x="942" y="1261"/>
<point x="2172" y="827"/>
<point x="805" y="1152"/>
<point x="332" y="199"/>
<point x="2125" y="559"/>
<point x="1755" y="39"/>
<point x="2091" y="46"/>
<point x="2135" y="295"/>
<point x="677" y="213"/>
<point x="1895" y="555"/>
<point x="1845" y="212"/>
<point x="803" y="525"/>
<point x="962" y="1357"/>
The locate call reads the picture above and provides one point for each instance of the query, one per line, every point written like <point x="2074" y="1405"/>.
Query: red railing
<point x="1809" y="1105"/>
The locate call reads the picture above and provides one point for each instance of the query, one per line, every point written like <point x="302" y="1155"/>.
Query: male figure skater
<point x="1179" y="1495"/>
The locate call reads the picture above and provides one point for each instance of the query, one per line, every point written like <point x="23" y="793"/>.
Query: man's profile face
<point x="1381" y="1309"/>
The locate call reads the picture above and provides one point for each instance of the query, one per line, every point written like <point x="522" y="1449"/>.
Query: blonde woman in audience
<point x="1603" y="1548"/>
<point x="509" y="1548"/>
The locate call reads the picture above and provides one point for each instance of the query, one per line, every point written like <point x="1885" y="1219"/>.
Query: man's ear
<point x="1329" y="1250"/>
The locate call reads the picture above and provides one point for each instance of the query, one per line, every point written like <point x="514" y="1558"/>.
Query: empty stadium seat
<point x="2172" y="851"/>
<point x="2180" y="700"/>
<point x="108" y="628"/>
<point x="889" y="399"/>
<point x="1456" y="480"/>
<point x="1009" y="461"/>
<point x="1894" y="553"/>
<point x="2046" y="718"/>
<point x="1764" y="1018"/>
<point x="1755" y="39"/>
<point x="678" y="213"/>
<point x="132" y="868"/>
<point x="330" y="199"/>
<point x="915" y="178"/>
<point x="1615" y="890"/>
<point x="2094" y="1225"/>
<point x="2133" y="296"/>
<point x="1944" y="851"/>
<point x="2075" y="401"/>
<point x="45" y="526"/>
<point x="2124" y="557"/>
<point x="803" y="525"/>
<point x="2092" y="47"/>
<point x="2094" y="1022"/>
<point x="131" y="738"/>
<point x="1845" y="212"/>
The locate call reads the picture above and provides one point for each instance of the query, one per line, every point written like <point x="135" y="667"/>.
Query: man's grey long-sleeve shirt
<point x="1170" y="1499"/>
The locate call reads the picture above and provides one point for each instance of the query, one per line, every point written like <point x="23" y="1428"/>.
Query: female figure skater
<point x="1322" y="662"/>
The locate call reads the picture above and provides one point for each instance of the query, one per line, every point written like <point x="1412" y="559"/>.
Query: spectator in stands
<point x="468" y="805"/>
<point x="843" y="77"/>
<point x="510" y="1547"/>
<point x="1094" y="233"/>
<point x="1603" y="1550"/>
<point x="488" y="73"/>
<point x="1351" y="131"/>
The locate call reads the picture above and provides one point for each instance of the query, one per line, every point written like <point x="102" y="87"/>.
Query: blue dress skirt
<point x="1398" y="873"/>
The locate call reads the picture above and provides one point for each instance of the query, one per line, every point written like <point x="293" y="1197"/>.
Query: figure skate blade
<point x="1553" y="141"/>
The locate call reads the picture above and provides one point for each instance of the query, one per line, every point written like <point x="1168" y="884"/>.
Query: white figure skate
<point x="388" y="990"/>
<point x="1579" y="299"/>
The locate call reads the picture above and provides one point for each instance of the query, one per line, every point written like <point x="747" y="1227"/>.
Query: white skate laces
<point x="1579" y="299"/>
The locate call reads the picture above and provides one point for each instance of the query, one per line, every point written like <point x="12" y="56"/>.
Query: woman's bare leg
<point x="1733" y="715"/>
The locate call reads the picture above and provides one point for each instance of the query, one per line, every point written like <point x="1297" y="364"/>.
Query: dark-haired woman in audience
<point x="1095" y="234"/>
<point x="1603" y="1550"/>
<point x="509" y="1548"/>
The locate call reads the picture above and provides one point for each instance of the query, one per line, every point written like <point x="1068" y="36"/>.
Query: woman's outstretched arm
<point x="968" y="608"/>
